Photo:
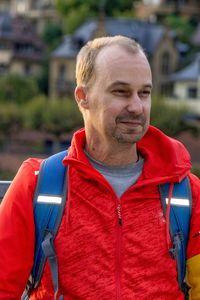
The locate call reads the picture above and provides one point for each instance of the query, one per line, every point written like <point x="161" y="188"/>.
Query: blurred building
<point x="186" y="90"/>
<point x="40" y="12"/>
<point x="187" y="81"/>
<point x="157" y="42"/>
<point x="195" y="39"/>
<point x="148" y="8"/>
<point x="21" y="50"/>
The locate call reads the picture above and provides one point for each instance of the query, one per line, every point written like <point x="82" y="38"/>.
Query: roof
<point x="189" y="73"/>
<point x="66" y="49"/>
<point x="145" y="33"/>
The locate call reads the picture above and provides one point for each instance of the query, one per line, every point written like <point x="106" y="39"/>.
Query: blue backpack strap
<point x="180" y="213"/>
<point x="49" y="202"/>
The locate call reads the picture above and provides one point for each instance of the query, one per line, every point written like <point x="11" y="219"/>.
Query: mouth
<point x="131" y="123"/>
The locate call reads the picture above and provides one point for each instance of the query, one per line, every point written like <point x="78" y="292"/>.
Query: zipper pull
<point x="119" y="214"/>
<point x="196" y="234"/>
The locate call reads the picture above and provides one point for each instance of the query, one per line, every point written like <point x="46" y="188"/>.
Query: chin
<point x="128" y="139"/>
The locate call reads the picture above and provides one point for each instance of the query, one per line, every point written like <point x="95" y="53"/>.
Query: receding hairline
<point x="87" y="56"/>
<point x="124" y="48"/>
<point x="102" y="42"/>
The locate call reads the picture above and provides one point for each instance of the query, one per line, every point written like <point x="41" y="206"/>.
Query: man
<point x="112" y="241"/>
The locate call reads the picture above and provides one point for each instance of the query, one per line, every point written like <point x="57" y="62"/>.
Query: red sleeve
<point x="194" y="237"/>
<point x="17" y="232"/>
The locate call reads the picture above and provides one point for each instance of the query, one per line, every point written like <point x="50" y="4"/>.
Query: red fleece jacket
<point x="99" y="259"/>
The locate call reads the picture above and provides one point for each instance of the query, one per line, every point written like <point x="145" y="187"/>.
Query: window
<point x="62" y="73"/>
<point x="21" y="6"/>
<point x="2" y="46"/>
<point x="176" y="2"/>
<point x="27" y="70"/>
<point x="165" y="63"/>
<point x="192" y="92"/>
<point x="166" y="89"/>
<point x="21" y="48"/>
<point x="3" y="68"/>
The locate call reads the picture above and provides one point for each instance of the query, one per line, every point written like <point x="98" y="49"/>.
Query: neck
<point x="116" y="154"/>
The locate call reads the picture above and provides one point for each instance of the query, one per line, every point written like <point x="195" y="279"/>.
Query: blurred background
<point x="39" y="41"/>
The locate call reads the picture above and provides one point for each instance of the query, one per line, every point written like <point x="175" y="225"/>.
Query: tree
<point x="33" y="113"/>
<point x="11" y="119"/>
<point x="17" y="89"/>
<point x="52" y="35"/>
<point x="43" y="78"/>
<point x="76" y="12"/>
<point x="61" y="116"/>
<point x="170" y="119"/>
<point x="182" y="26"/>
<point x="54" y="116"/>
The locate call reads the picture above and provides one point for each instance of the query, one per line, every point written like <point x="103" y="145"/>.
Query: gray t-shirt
<point x="120" y="178"/>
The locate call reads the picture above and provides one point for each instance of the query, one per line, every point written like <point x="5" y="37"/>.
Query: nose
<point x="135" y="104"/>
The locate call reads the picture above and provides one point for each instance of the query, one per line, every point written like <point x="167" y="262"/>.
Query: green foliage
<point x="17" y="89"/>
<point x="181" y="26"/>
<point x="42" y="79"/>
<point x="118" y="7"/>
<point x="168" y="118"/>
<point x="11" y="118"/>
<point x="33" y="113"/>
<point x="76" y="16"/>
<point x="52" y="35"/>
<point x="196" y="171"/>
<point x="54" y="116"/>
<point x="76" y="12"/>
<point x="61" y="116"/>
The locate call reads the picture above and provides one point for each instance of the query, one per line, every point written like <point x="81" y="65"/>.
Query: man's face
<point x="119" y="99"/>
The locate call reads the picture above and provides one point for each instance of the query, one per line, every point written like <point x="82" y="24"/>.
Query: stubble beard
<point x="129" y="135"/>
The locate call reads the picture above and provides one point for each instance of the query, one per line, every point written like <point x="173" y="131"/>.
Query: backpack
<point x="49" y="202"/>
<point x="179" y="220"/>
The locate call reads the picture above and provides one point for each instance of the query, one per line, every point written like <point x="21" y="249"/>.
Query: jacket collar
<point x="165" y="159"/>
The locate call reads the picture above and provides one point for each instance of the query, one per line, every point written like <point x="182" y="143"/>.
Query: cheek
<point x="147" y="114"/>
<point x="111" y="113"/>
<point x="116" y="106"/>
<point x="147" y="108"/>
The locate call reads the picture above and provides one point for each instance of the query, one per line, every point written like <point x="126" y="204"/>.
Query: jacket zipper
<point x="118" y="253"/>
<point x="119" y="213"/>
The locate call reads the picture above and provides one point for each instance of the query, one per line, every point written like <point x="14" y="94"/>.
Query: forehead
<point x="115" y="63"/>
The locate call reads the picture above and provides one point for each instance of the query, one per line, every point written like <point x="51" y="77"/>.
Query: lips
<point x="133" y="121"/>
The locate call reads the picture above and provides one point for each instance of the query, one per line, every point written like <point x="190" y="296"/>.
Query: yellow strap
<point x="193" y="277"/>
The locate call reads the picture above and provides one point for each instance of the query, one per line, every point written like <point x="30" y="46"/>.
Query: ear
<point x="81" y="97"/>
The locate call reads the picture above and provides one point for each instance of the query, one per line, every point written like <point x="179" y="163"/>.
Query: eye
<point x="121" y="92"/>
<point x="145" y="93"/>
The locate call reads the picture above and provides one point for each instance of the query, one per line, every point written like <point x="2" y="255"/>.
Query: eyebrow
<point x="125" y="84"/>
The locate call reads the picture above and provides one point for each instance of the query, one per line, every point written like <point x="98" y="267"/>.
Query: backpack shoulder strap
<point x="180" y="213"/>
<point x="49" y="202"/>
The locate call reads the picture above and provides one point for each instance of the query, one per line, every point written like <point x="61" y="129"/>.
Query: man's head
<point x="113" y="89"/>
<point x="85" y="65"/>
